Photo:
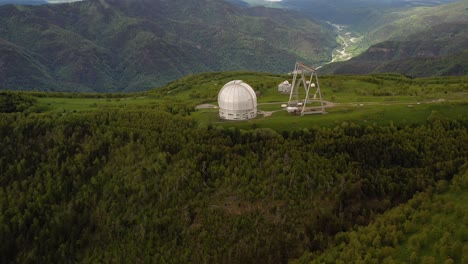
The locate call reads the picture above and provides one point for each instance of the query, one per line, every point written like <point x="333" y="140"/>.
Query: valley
<point x="411" y="43"/>
<point x="120" y="47"/>
<point x="348" y="40"/>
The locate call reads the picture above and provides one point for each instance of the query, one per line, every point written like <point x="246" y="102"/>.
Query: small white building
<point x="237" y="101"/>
<point x="284" y="87"/>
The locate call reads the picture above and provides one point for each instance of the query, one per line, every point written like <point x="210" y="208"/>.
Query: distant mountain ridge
<point x="404" y="36"/>
<point x="362" y="14"/>
<point x="35" y="2"/>
<point x="23" y="2"/>
<point x="407" y="23"/>
<point x="122" y="45"/>
<point x="133" y="45"/>
<point x="425" y="42"/>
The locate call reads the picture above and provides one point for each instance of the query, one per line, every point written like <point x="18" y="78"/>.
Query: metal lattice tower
<point x="307" y="77"/>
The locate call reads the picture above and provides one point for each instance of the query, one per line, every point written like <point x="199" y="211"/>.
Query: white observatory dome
<point x="237" y="101"/>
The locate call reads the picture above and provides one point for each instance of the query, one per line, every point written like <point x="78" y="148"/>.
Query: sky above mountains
<point x="251" y="2"/>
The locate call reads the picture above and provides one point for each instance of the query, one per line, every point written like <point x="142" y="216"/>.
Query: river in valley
<point x="347" y="39"/>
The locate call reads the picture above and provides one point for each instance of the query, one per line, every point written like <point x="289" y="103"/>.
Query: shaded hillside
<point x="440" y="50"/>
<point x="119" y="45"/>
<point x="429" y="228"/>
<point x="15" y="63"/>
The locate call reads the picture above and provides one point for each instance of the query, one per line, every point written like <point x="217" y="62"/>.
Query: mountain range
<point x="421" y="42"/>
<point x="361" y="14"/>
<point x="35" y="2"/>
<point x="23" y="2"/>
<point x="121" y="45"/>
<point x="125" y="46"/>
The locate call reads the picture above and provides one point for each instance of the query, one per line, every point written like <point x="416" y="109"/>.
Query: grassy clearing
<point x="91" y="104"/>
<point x="399" y="115"/>
<point x="372" y="99"/>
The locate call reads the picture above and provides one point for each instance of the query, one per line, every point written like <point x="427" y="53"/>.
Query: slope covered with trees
<point x="419" y="42"/>
<point x="407" y="23"/>
<point x="118" y="45"/>
<point x="360" y="14"/>
<point x="440" y="50"/>
<point x="429" y="228"/>
<point x="146" y="184"/>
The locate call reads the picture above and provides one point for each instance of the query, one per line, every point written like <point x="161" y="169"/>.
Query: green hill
<point x="124" y="46"/>
<point x="118" y="45"/>
<point x="415" y="38"/>
<point x="17" y="62"/>
<point x="142" y="177"/>
<point x="143" y="184"/>
<point x="361" y="15"/>
<point x="406" y="23"/>
<point x="439" y="50"/>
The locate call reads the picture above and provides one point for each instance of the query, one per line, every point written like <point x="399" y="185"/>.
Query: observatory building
<point x="237" y="101"/>
<point x="284" y="87"/>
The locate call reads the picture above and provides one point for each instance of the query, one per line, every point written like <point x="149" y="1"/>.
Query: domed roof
<point x="237" y="95"/>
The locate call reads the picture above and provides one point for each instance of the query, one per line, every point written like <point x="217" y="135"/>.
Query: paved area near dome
<point x="206" y="106"/>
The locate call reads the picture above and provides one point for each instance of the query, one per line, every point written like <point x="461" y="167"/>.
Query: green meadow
<point x="397" y="114"/>
<point x="372" y="99"/>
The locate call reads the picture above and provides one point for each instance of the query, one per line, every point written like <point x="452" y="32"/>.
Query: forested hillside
<point x="439" y="50"/>
<point x="360" y="14"/>
<point x="417" y="42"/>
<point x="430" y="228"/>
<point x="404" y="24"/>
<point x="118" y="45"/>
<point x="146" y="184"/>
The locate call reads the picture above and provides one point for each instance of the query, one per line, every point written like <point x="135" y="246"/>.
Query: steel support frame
<point x="304" y="71"/>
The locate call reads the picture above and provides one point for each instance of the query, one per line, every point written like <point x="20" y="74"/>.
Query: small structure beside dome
<point x="237" y="101"/>
<point x="284" y="87"/>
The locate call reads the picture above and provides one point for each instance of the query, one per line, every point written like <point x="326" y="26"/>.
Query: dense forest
<point x="147" y="184"/>
<point x="429" y="228"/>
